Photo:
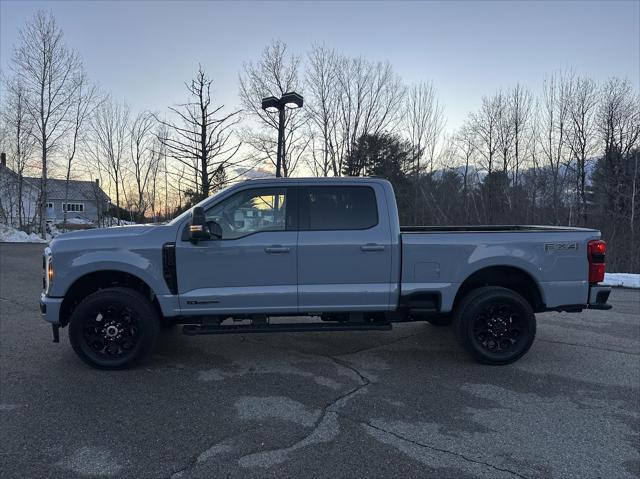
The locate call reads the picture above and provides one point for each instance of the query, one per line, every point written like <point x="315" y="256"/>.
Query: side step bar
<point x="196" y="329"/>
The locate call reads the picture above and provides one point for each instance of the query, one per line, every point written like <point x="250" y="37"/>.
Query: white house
<point x="85" y="199"/>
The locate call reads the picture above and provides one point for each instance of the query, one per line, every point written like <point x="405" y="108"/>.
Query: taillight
<point x="596" y="250"/>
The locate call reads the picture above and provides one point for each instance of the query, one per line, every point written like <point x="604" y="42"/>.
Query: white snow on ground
<point x="78" y="221"/>
<point x="12" y="235"/>
<point x="626" y="280"/>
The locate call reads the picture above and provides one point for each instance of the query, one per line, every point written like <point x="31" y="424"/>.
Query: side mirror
<point x="198" y="228"/>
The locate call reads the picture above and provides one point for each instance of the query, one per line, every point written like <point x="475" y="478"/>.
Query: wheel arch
<point x="94" y="281"/>
<point x="510" y="277"/>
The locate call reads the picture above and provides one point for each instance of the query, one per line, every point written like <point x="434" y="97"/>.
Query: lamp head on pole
<point x="291" y="100"/>
<point x="270" y="104"/>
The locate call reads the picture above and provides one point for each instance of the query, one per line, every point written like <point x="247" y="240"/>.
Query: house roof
<point x="78" y="189"/>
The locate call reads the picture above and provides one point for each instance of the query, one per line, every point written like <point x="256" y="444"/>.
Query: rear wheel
<point x="114" y="328"/>
<point x="496" y="325"/>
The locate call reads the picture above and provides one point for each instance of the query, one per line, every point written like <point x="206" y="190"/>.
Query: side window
<point x="251" y="211"/>
<point x="73" y="207"/>
<point x="339" y="208"/>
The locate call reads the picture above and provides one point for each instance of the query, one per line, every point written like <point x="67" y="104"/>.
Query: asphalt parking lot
<point x="405" y="403"/>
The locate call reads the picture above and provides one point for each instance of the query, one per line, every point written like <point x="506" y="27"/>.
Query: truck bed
<point x="490" y="229"/>
<point x="439" y="259"/>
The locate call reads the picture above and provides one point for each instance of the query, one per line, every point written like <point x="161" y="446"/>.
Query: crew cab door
<point x="344" y="249"/>
<point x="252" y="268"/>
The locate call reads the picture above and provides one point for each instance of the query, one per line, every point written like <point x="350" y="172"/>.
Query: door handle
<point x="372" y="247"/>
<point x="277" y="249"/>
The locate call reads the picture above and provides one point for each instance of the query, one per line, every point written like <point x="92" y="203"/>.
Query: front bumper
<point x="598" y="296"/>
<point x="50" y="308"/>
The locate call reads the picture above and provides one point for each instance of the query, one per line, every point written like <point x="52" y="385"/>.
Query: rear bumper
<point x="50" y="308"/>
<point x="598" y="296"/>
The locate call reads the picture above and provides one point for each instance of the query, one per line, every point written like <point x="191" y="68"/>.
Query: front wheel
<point x="114" y="328"/>
<point x="495" y="325"/>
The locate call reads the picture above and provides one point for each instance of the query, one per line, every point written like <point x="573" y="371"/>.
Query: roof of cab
<point x="312" y="179"/>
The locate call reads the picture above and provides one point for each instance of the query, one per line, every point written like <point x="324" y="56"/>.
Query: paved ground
<point x="406" y="403"/>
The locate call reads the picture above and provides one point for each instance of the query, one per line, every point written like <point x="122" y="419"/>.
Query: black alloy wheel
<point x="114" y="328"/>
<point x="496" y="325"/>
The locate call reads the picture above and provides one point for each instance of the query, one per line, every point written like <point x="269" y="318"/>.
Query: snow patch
<point x="12" y="235"/>
<point x="77" y="221"/>
<point x="625" y="280"/>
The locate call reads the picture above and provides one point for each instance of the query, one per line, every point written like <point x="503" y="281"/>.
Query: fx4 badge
<point x="560" y="247"/>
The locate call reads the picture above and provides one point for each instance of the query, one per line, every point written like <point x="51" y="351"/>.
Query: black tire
<point x="114" y="328"/>
<point x="495" y="325"/>
<point x="439" y="321"/>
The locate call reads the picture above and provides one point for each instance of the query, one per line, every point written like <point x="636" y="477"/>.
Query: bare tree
<point x="581" y="134"/>
<point x="49" y="73"/>
<point x="370" y="97"/>
<point x="154" y="168"/>
<point x="200" y="139"/>
<point x="485" y="124"/>
<point x="163" y="132"/>
<point x="466" y="144"/>
<point x="521" y="112"/>
<point x="84" y="102"/>
<point x="619" y="117"/>
<point x="274" y="74"/>
<point x="322" y="108"/>
<point x="555" y="121"/>
<point x="422" y="122"/>
<point x="144" y="157"/>
<point x="21" y="144"/>
<point x="505" y="130"/>
<point x="110" y="128"/>
<point x="514" y="109"/>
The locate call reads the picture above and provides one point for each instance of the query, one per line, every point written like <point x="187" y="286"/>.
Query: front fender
<point x="145" y="266"/>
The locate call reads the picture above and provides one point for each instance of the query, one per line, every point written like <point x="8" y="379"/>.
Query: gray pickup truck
<point x="331" y="251"/>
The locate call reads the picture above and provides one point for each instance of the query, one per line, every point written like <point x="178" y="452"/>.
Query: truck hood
<point x="103" y="233"/>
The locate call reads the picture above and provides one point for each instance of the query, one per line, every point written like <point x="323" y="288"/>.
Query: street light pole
<point x="272" y="104"/>
<point x="280" y="141"/>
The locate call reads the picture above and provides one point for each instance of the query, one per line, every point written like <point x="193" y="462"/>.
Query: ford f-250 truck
<point x="327" y="248"/>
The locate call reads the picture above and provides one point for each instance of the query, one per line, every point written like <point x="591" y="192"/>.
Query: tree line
<point x="567" y="154"/>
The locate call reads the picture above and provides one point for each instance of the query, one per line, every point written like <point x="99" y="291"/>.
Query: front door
<point x="344" y="250"/>
<point x="252" y="269"/>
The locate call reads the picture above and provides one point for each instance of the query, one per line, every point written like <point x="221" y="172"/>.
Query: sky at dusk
<point x="142" y="52"/>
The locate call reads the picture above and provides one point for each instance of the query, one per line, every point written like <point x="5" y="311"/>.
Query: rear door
<point x="344" y="249"/>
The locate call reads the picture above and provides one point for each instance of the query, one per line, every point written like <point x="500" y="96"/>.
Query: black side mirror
<point x="198" y="228"/>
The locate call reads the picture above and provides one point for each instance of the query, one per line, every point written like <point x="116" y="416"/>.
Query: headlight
<point x="48" y="273"/>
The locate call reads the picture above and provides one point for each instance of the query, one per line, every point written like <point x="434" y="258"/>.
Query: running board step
<point x="197" y="329"/>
